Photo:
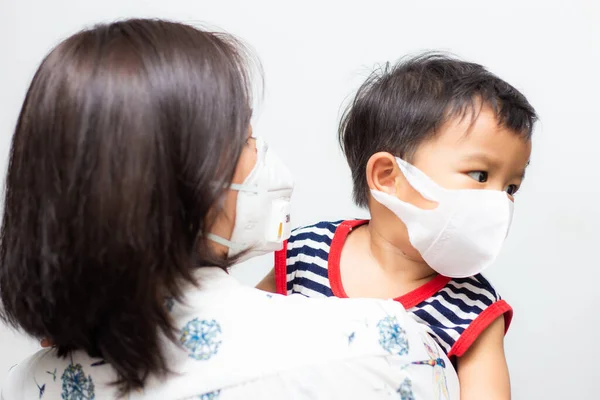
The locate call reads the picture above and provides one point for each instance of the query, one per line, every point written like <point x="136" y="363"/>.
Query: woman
<point x="134" y="183"/>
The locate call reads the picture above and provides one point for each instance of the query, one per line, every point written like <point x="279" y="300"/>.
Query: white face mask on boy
<point x="262" y="220"/>
<point x="463" y="235"/>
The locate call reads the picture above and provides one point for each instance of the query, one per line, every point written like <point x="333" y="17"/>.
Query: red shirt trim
<point x="408" y="300"/>
<point x="480" y="324"/>
<point x="281" y="269"/>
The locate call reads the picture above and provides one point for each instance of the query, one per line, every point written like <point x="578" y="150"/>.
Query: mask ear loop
<point x="419" y="180"/>
<point x="252" y="190"/>
<point x="261" y="146"/>
<point x="227" y="243"/>
<point x="246" y="188"/>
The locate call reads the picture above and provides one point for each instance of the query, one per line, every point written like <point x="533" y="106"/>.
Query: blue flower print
<point x="42" y="388"/>
<point x="53" y="374"/>
<point x="202" y="338"/>
<point x="98" y="363"/>
<point x="75" y="385"/>
<point x="351" y="337"/>
<point x="210" y="396"/>
<point x="405" y="390"/>
<point x="392" y="337"/>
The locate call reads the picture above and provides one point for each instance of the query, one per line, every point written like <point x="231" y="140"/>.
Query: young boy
<point x="419" y="137"/>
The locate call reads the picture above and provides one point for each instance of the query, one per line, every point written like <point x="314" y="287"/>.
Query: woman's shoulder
<point x="251" y="321"/>
<point x="46" y="375"/>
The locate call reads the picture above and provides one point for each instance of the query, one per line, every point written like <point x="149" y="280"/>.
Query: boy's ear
<point x="382" y="172"/>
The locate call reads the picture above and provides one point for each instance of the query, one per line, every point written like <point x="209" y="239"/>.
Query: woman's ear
<point x="382" y="173"/>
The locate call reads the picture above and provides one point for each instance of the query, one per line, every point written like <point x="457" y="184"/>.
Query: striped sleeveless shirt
<point x="455" y="311"/>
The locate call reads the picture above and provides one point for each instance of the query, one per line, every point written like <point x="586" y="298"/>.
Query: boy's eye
<point x="512" y="189"/>
<point x="479" y="176"/>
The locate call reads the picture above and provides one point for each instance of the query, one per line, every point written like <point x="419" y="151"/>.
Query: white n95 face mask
<point x="262" y="220"/>
<point x="463" y="235"/>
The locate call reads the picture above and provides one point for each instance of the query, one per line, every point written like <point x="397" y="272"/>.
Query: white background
<point x="315" y="53"/>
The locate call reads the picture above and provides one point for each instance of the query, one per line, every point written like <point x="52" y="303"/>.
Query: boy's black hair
<point x="400" y="106"/>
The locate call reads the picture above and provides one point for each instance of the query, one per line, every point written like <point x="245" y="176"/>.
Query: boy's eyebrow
<point x="481" y="157"/>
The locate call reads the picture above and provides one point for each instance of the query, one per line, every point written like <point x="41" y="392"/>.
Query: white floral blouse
<point x="239" y="343"/>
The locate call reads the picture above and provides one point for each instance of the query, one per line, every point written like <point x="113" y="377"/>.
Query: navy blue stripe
<point x="330" y="226"/>
<point x="449" y="314"/>
<point x="474" y="282"/>
<point x="464" y="307"/>
<point x="312" y="285"/>
<point x="314" y="268"/>
<point x="307" y="251"/>
<point x="471" y="295"/>
<point x="310" y="236"/>
<point x="434" y="324"/>
<point x="487" y="284"/>
<point x="300" y="293"/>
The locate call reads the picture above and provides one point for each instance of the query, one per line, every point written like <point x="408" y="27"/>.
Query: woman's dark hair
<point x="400" y="106"/>
<point x="127" y="139"/>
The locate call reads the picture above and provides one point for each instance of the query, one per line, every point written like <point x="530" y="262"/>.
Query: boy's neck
<point x="395" y="255"/>
<point x="378" y="263"/>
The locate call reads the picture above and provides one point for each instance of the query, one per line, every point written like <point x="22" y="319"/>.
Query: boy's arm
<point x="482" y="370"/>
<point x="268" y="282"/>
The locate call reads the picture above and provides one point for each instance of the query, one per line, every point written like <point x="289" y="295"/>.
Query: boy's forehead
<point x="481" y="129"/>
<point x="480" y="139"/>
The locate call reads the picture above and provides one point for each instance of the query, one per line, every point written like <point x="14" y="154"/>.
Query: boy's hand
<point x="268" y="283"/>
<point x="482" y="370"/>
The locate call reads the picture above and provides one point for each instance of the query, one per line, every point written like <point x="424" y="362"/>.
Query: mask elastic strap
<point x="419" y="180"/>
<point x="245" y="188"/>
<point x="227" y="243"/>
<point x="406" y="209"/>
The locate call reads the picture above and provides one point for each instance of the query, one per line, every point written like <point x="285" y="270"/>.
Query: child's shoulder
<point x="330" y="226"/>
<point x="475" y="287"/>
<point x="460" y="311"/>
<point x="322" y="231"/>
